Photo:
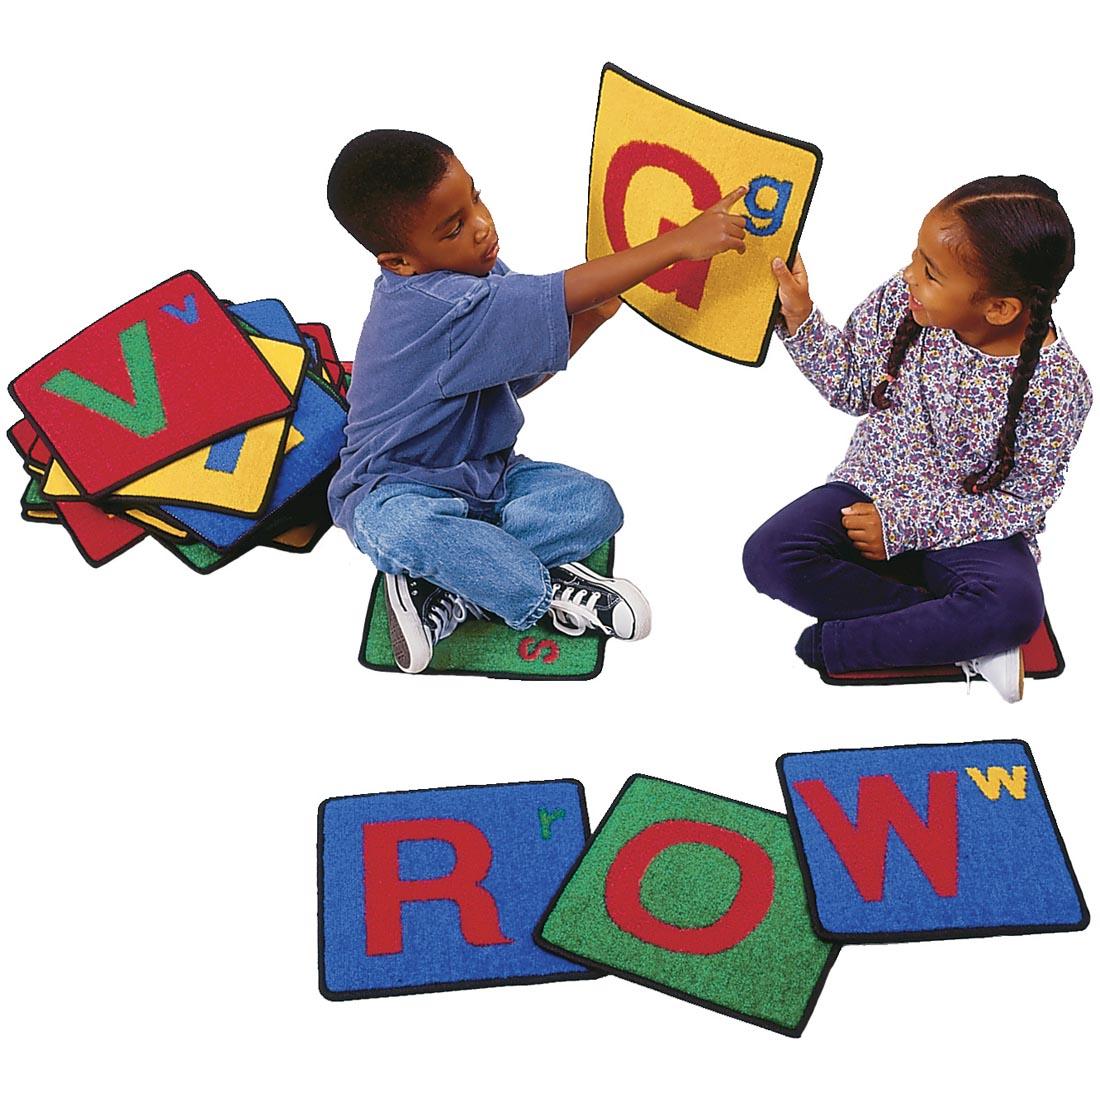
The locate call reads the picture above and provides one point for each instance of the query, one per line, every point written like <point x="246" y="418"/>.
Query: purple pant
<point x="972" y="601"/>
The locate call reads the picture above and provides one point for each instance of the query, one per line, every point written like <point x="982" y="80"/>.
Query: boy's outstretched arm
<point x="715" y="230"/>
<point x="584" y="324"/>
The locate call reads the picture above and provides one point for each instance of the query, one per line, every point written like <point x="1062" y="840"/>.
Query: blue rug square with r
<point x="437" y="889"/>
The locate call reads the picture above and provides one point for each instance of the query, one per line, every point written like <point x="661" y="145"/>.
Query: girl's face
<point x="942" y="292"/>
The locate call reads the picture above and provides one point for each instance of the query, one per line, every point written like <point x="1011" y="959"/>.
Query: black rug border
<point x="931" y="935"/>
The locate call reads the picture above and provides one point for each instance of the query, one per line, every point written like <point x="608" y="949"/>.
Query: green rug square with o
<point x="698" y="896"/>
<point x="489" y="648"/>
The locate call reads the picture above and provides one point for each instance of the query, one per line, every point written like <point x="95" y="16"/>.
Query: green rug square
<point x="36" y="507"/>
<point x="479" y="648"/>
<point x="697" y="896"/>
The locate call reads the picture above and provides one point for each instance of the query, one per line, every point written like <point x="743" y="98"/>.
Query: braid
<point x="906" y="333"/>
<point x="1038" y="325"/>
<point x="1017" y="241"/>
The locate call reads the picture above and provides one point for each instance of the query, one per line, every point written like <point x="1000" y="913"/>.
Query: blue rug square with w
<point x="929" y="842"/>
<point x="422" y="891"/>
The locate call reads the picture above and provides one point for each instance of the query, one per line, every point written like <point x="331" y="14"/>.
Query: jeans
<point x="496" y="556"/>
<point x="953" y="605"/>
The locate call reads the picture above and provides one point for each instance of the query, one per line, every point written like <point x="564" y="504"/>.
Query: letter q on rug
<point x="697" y="896"/>
<point x="657" y="162"/>
<point x="929" y="842"/>
<point x="422" y="891"/>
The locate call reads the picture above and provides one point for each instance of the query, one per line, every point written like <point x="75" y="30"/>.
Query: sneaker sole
<point x="643" y="615"/>
<point x="411" y="648"/>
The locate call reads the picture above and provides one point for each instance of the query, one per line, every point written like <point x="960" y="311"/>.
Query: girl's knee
<point x="1021" y="614"/>
<point x="1005" y="615"/>
<point x="760" y="557"/>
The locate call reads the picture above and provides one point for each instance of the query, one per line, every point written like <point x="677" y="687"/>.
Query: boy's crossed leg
<point x="516" y="560"/>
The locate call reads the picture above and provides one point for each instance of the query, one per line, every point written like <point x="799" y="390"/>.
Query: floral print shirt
<point x="948" y="405"/>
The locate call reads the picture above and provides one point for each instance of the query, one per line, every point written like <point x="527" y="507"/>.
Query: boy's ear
<point x="395" y="262"/>
<point x="1003" y="311"/>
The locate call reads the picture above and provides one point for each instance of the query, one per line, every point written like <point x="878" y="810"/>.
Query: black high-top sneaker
<point x="583" y="600"/>
<point x="421" y="614"/>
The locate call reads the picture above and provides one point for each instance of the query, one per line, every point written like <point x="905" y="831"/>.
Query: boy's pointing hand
<point x="715" y="230"/>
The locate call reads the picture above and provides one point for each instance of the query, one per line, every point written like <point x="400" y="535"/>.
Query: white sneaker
<point x="1005" y="671"/>
<point x="584" y="600"/>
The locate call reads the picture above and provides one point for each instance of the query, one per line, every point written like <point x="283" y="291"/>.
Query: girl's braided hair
<point x="1017" y="240"/>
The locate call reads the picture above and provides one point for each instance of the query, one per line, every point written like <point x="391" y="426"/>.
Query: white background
<point x="168" y="737"/>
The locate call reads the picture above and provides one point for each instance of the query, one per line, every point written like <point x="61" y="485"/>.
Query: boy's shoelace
<point x="580" y="615"/>
<point x="444" y="615"/>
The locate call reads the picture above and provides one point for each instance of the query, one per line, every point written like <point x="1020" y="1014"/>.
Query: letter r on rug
<point x="436" y="889"/>
<point x="385" y="892"/>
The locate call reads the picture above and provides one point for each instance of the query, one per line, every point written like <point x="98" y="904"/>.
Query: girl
<point x="973" y="403"/>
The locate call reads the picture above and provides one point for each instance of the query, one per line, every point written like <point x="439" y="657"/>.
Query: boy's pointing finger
<point x="727" y="201"/>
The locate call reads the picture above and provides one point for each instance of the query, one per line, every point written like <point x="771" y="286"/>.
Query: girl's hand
<point x="794" y="292"/>
<point x="863" y="525"/>
<point x="715" y="230"/>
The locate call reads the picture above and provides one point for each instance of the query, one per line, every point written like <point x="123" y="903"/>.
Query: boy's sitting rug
<point x="413" y="626"/>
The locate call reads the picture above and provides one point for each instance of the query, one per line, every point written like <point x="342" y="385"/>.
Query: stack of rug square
<point x="211" y="426"/>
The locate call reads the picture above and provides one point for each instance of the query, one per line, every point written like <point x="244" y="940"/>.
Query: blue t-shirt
<point x="440" y="363"/>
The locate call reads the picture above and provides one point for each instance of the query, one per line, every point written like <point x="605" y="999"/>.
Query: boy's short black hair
<point x="377" y="178"/>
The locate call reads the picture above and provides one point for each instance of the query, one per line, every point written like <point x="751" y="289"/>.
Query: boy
<point x="429" y="485"/>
